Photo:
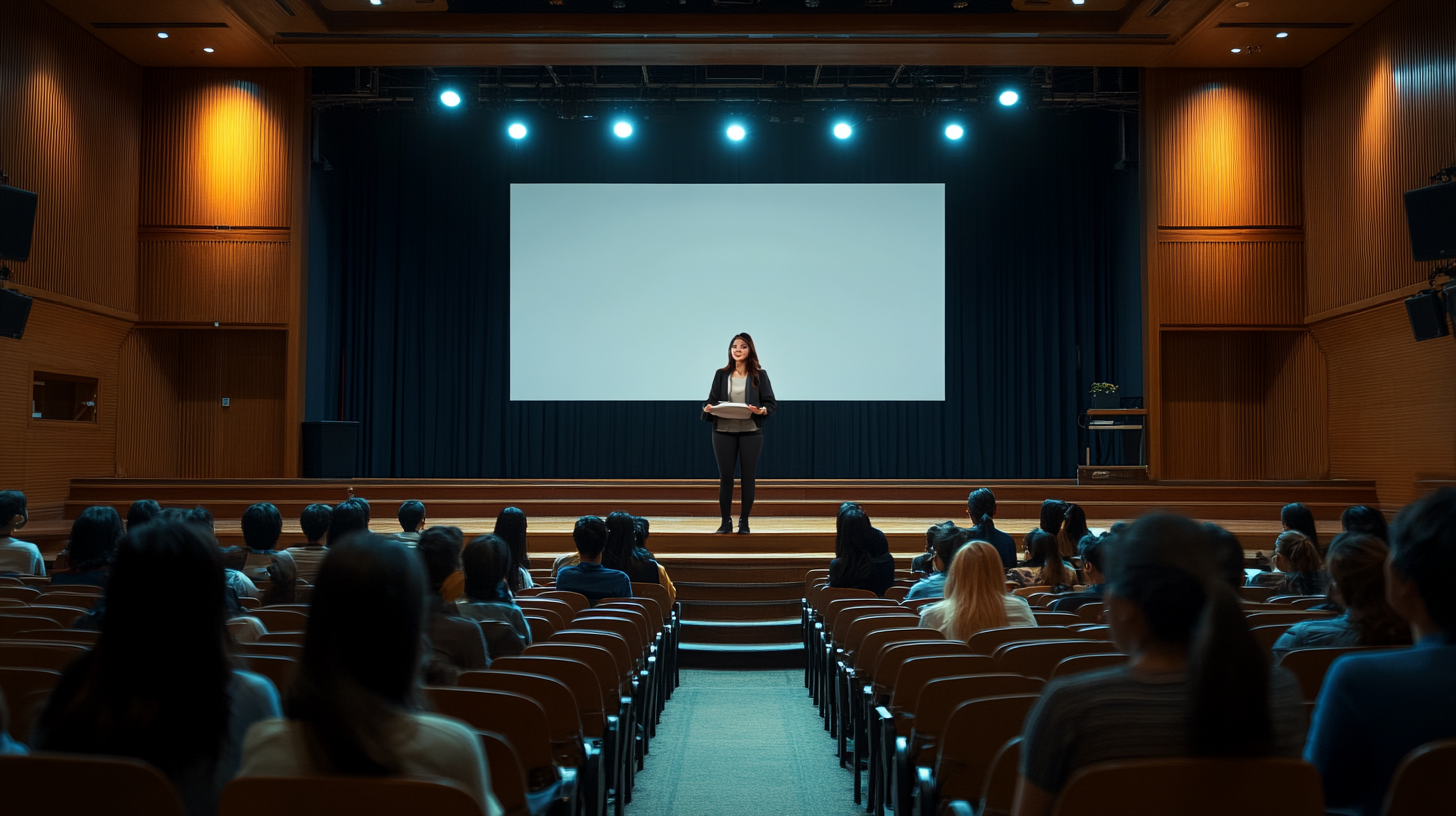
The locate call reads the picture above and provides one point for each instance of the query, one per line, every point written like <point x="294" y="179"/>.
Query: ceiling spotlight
<point x="208" y="49"/>
<point x="517" y="131"/>
<point x="449" y="99"/>
<point x="1235" y="50"/>
<point x="954" y="132"/>
<point x="736" y="132"/>
<point x="376" y="2"/>
<point x="161" y="35"/>
<point x="622" y="129"/>
<point x="842" y="131"/>
<point x="1009" y="98"/>
<point x="1078" y="2"/>
<point x="1281" y="35"/>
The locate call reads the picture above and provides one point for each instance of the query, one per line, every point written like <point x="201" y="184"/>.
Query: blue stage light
<point x="449" y="99"/>
<point x="517" y="131"/>
<point x="1009" y="98"/>
<point x="736" y="132"/>
<point x="954" y="132"/>
<point x="622" y="129"/>
<point x="843" y="131"/>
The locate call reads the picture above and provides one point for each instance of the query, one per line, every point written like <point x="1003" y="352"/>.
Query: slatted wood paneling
<point x="149" y="426"/>
<point x="1296" y="416"/>
<point x="1379" y="119"/>
<point x="1231" y="282"/>
<point x="203" y="281"/>
<point x="70" y="131"/>
<point x="246" y="438"/>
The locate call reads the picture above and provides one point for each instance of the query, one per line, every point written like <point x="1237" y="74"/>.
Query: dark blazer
<point x="760" y="394"/>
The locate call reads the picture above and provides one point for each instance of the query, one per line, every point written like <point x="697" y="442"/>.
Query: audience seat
<point x="278" y="669"/>
<point x="85" y="637"/>
<point x="1422" y="781"/>
<point x="973" y="735"/>
<point x="1310" y="666"/>
<point x="1091" y="613"/>
<point x="986" y="641"/>
<point x="541" y="628"/>
<point x="1058" y="618"/>
<point x="897" y="593"/>
<point x="1087" y="662"/>
<point x="552" y="608"/>
<point x="1256" y="594"/>
<point x="920" y="603"/>
<point x="999" y="792"/>
<point x="508" y="775"/>
<point x="1194" y="787"/>
<point x="293" y="650"/>
<point x="114" y="786"/>
<point x="297" y="637"/>
<point x="525" y="725"/>
<point x="356" y="796"/>
<point x="563" y="714"/>
<point x="1040" y="658"/>
<point x="1257" y="619"/>
<point x="27" y="654"/>
<point x="25" y="691"/>
<point x="1027" y="592"/>
<point x="80" y="600"/>
<point x="13" y="624"/>
<point x="1267" y="635"/>
<point x="280" y="620"/>
<point x="577" y="601"/>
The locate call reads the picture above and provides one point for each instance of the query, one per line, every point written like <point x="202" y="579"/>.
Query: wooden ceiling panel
<point x="191" y="25"/>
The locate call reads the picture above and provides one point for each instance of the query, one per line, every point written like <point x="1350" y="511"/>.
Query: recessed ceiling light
<point x="208" y="50"/>
<point x="161" y="35"/>
<point x="1281" y="35"/>
<point x="376" y="2"/>
<point x="1235" y="50"/>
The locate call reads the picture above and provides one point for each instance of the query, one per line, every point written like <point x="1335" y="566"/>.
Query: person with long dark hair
<point x="1074" y="529"/>
<point x="355" y="705"/>
<point x="862" y="557"/>
<point x="622" y="552"/>
<point x="738" y="442"/>
<point x="456" y="640"/>
<point x="981" y="509"/>
<point x="1045" y="566"/>
<point x="1362" y="518"/>
<point x="140" y="512"/>
<point x="1053" y="514"/>
<point x="1300" y="519"/>
<point x="643" y="528"/>
<point x="487" y="562"/>
<point x="161" y="684"/>
<point x="1196" y="682"/>
<point x="1298" y="565"/>
<point x="94" y="536"/>
<point x="1357" y="582"/>
<point x="510" y="526"/>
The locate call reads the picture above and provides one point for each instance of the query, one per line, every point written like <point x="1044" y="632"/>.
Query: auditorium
<point x="1115" y="472"/>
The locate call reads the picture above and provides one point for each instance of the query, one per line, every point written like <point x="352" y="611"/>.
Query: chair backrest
<point x="1039" y="658"/>
<point x="828" y="595"/>
<point x="507" y="774"/>
<point x="562" y="712"/>
<point x="577" y="601"/>
<point x="612" y="642"/>
<point x="897" y="593"/>
<point x="293" y="650"/>
<point x="918" y="669"/>
<point x="1027" y="592"/>
<point x="541" y="628"/>
<point x="866" y="657"/>
<point x="1256" y="594"/>
<point x="1422" y="781"/>
<point x="31" y="655"/>
<point x="13" y="624"/>
<point x="656" y="592"/>
<point x="1057" y="618"/>
<point x="1091" y="613"/>
<point x="602" y="663"/>
<point x="354" y="795"/>
<point x="278" y="669"/>
<point x="941" y="697"/>
<point x="1194" y="787"/>
<point x="19" y="593"/>
<point x="816" y="574"/>
<point x="114" y="786"/>
<point x="649" y="609"/>
<point x="999" y="792"/>
<point x="23" y="689"/>
<point x="518" y="718"/>
<point x="553" y="614"/>
<point x="1299" y="601"/>
<point x="284" y="637"/>
<point x="1310" y="665"/>
<point x="576" y="674"/>
<point x="860" y="627"/>
<point x="605" y="621"/>
<point x="281" y="620"/>
<point x="986" y="640"/>
<point x="885" y="667"/>
<point x="82" y="600"/>
<point x="973" y="736"/>
<point x="835" y="609"/>
<point x="919" y="603"/>
<point x="1266" y="636"/>
<point x="560" y="608"/>
<point x="85" y="637"/>
<point x="1087" y="662"/>
<point x="647" y="622"/>
<point x="1256" y="619"/>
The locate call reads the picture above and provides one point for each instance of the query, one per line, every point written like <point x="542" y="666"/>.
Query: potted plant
<point x="1104" y="395"/>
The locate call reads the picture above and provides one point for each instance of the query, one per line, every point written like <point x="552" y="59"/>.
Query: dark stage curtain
<point x="408" y="294"/>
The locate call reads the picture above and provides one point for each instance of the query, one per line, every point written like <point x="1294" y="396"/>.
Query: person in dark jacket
<point x="738" y="441"/>
<point x="981" y="508"/>
<point x="862" y="555"/>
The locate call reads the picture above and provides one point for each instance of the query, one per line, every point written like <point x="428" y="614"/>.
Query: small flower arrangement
<point x="1104" y="388"/>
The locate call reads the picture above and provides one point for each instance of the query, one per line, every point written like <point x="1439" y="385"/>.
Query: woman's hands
<point x="707" y="409"/>
<point x="754" y="409"/>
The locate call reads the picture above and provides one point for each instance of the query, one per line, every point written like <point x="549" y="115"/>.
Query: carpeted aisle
<point x="742" y="742"/>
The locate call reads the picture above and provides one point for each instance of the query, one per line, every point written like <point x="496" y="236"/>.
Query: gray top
<point x="737" y="392"/>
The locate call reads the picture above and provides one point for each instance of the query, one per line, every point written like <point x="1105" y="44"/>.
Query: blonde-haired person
<point x="976" y="596"/>
<point x="1300" y="570"/>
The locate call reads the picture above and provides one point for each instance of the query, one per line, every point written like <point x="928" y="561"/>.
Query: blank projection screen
<point x="634" y="291"/>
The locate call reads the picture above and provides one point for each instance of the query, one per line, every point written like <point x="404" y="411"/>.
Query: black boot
<point x="743" y="526"/>
<point x="726" y="526"/>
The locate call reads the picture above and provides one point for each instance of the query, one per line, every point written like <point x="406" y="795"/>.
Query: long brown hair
<point x="1357" y="567"/>
<point x="750" y="364"/>
<point x="974" y="586"/>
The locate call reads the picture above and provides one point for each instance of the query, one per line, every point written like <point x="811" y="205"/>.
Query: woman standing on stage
<point x="739" y="441"/>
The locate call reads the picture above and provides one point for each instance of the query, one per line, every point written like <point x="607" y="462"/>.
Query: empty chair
<point x="356" y="796"/>
<point x="1057" y="618"/>
<point x="518" y="718"/>
<point x="562" y="714"/>
<point x="11" y="624"/>
<point x="1422" y="781"/>
<point x="998" y="794"/>
<point x="53" y="656"/>
<point x="577" y="601"/>
<point x="1039" y="658"/>
<point x="1077" y="664"/>
<point x="85" y="637"/>
<point x="19" y="592"/>
<point x="507" y="774"/>
<point x="541" y="628"/>
<point x="281" y="620"/>
<point x="987" y="640"/>
<point x="973" y="735"/>
<point x="25" y="691"/>
<point x="1310" y="666"/>
<point x="1257" y="619"/>
<point x="296" y="638"/>
<point x="114" y="786"/>
<point x="1194" y="787"/>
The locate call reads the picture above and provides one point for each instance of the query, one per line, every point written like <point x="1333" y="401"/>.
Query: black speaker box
<point x="330" y="450"/>
<point x="1430" y="214"/>
<point x="17" y="222"/>
<point x="14" y="313"/>
<point x="1427" y="315"/>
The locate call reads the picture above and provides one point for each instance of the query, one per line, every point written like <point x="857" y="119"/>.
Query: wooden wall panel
<point x="1227" y="144"/>
<point x="1379" y="119"/>
<point x="1390" y="402"/>
<point x="1231" y="282"/>
<point x="70" y="131"/>
<point x="1296" y="429"/>
<point x="227" y="281"/>
<point x="245" y="439"/>
<point x="148" y="436"/>
<point x="216" y="147"/>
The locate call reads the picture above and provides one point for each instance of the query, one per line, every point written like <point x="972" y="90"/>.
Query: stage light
<point x="376" y="2"/>
<point x="1078" y="2"/>
<point x="161" y="35"/>
<point x="1281" y="35"/>
<point x="208" y="49"/>
<point x="517" y="130"/>
<point x="449" y="99"/>
<point x="954" y="132"/>
<point x="1009" y="98"/>
<point x="622" y="129"/>
<point x="736" y="132"/>
<point x="843" y="131"/>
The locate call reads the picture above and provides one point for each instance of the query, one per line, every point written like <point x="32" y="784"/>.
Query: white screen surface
<point x="634" y="291"/>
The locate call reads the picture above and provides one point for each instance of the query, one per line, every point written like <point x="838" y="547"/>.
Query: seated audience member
<point x="1228" y="552"/>
<point x="643" y="528"/>
<point x="283" y="573"/>
<point x="457" y="642"/>
<point x="1092" y="551"/>
<point x="160" y="684"/>
<point x="981" y="509"/>
<point x="202" y="517"/>
<point x="1053" y="516"/>
<point x="862" y="557"/>
<point x="487" y="562"/>
<point x="262" y="526"/>
<point x="1298" y="518"/>
<point x="948" y="542"/>
<point x="17" y="556"/>
<point x="1045" y="567"/>
<point x="1376" y="707"/>
<point x="976" y="596"/>
<point x="1364" y="519"/>
<point x="141" y="512"/>
<point x="1298" y="567"/>
<point x="314" y="520"/>
<point x="924" y="563"/>
<point x="510" y="525"/>
<point x="354" y="706"/>
<point x="94" y="535"/>
<point x="1196" y="682"/>
<point x="411" y="521"/>
<point x="1357" y="580"/>
<point x="588" y="576"/>
<point x="350" y="516"/>
<point x="1074" y="529"/>
<point x="622" y="552"/>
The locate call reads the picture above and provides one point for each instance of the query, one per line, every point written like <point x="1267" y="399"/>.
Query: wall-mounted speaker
<point x="17" y="223"/>
<point x="1427" y="315"/>
<point x="1430" y="214"/>
<point x="14" y="313"/>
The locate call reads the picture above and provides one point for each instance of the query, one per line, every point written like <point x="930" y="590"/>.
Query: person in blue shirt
<point x="1092" y="551"/>
<point x="1376" y="707"/>
<point x="981" y="508"/>
<point x="589" y="577"/>
<point x="948" y="541"/>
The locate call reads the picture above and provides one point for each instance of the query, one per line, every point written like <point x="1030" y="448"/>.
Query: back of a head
<point x="262" y="525"/>
<point x="1092" y="549"/>
<point x="94" y="535"/>
<point x="1053" y="513"/>
<point x="1365" y="519"/>
<point x="974" y="588"/>
<point x="510" y="525"/>
<point x="411" y="515"/>
<point x="487" y="563"/>
<point x="1074" y="524"/>
<point x="1423" y="549"/>
<point x="12" y="504"/>
<point x="643" y="526"/>
<point x="1357" y="568"/>
<point x="141" y="512"/>
<point x="361" y="657"/>
<point x="590" y="536"/>
<point x="439" y="551"/>
<point x="1301" y="552"/>
<point x="948" y="542"/>
<point x="202" y="517"/>
<point x="1299" y="518"/>
<point x="349" y="516"/>
<point x="315" y="520"/>
<point x="1164" y="565"/>
<point x="621" y="541"/>
<point x="855" y="534"/>
<point x="1047" y="553"/>
<point x="981" y="505"/>
<point x="1228" y="553"/>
